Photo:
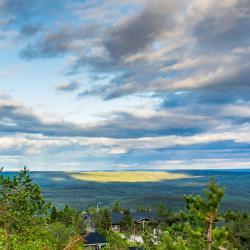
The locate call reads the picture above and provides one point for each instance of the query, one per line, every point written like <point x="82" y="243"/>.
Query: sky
<point x="124" y="85"/>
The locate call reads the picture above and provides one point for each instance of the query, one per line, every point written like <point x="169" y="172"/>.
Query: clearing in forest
<point x="128" y="176"/>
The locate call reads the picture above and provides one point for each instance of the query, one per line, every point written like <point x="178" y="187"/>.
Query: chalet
<point x="138" y="217"/>
<point x="116" y="221"/>
<point x="143" y="217"/>
<point x="88" y="221"/>
<point x="94" y="240"/>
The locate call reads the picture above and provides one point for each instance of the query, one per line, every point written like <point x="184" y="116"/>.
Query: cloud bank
<point x="192" y="57"/>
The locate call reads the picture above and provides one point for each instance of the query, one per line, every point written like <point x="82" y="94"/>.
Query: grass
<point x="128" y="176"/>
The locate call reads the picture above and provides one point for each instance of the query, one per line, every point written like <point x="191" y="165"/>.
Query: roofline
<point x="95" y="243"/>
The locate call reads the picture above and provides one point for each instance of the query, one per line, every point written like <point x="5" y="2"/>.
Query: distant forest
<point x="60" y="188"/>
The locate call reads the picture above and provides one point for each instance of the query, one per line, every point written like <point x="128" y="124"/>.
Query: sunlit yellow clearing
<point x="128" y="176"/>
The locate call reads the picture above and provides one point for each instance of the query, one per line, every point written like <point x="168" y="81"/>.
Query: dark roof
<point x="137" y="216"/>
<point x="87" y="216"/>
<point x="94" y="238"/>
<point x="135" y="248"/>
<point x="116" y="218"/>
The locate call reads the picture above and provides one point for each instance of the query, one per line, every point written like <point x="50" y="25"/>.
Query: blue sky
<point x="90" y="85"/>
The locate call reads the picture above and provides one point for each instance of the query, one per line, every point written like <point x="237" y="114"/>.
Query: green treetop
<point x="126" y="221"/>
<point x="199" y="230"/>
<point x="116" y="208"/>
<point x="105" y="222"/>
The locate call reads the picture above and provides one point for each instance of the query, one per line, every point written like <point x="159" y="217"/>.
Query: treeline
<point x="27" y="221"/>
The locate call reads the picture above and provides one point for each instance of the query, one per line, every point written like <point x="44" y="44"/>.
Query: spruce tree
<point x="21" y="202"/>
<point x="126" y="221"/>
<point x="105" y="223"/>
<point x="53" y="214"/>
<point x="116" y="208"/>
<point x="23" y="212"/>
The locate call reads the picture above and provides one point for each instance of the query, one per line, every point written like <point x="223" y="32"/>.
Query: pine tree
<point x="126" y="221"/>
<point x="23" y="212"/>
<point x="205" y="212"/>
<point x="105" y="223"/>
<point x="199" y="230"/>
<point x="53" y="214"/>
<point x="116" y="208"/>
<point x="21" y="202"/>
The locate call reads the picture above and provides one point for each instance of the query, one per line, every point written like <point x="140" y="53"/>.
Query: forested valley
<point x="28" y="221"/>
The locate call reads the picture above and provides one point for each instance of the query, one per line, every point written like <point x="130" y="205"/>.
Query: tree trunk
<point x="209" y="233"/>
<point x="73" y="242"/>
<point x="4" y="212"/>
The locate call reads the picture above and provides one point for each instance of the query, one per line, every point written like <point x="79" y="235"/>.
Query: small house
<point x="95" y="240"/>
<point x="116" y="221"/>
<point x="88" y="222"/>
<point x="143" y="217"/>
<point x="138" y="217"/>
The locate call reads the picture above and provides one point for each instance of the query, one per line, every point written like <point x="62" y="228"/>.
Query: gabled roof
<point x="116" y="218"/>
<point x="94" y="238"/>
<point x="87" y="216"/>
<point x="138" y="216"/>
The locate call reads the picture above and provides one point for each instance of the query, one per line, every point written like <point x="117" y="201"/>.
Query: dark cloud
<point x="134" y="33"/>
<point x="57" y="43"/>
<point x="16" y="118"/>
<point x="97" y="64"/>
<point x="68" y="87"/>
<point x="127" y="125"/>
<point x="224" y="26"/>
<point x="19" y="119"/>
<point x="138" y="46"/>
<point x="30" y="29"/>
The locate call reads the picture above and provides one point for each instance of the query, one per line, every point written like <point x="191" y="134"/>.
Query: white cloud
<point x="118" y="151"/>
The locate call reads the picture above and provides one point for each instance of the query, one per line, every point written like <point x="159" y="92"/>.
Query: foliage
<point x="126" y="221"/>
<point x="28" y="222"/>
<point x="116" y="208"/>
<point x="60" y="234"/>
<point x="115" y="241"/>
<point x="105" y="222"/>
<point x="148" y="241"/>
<point x="53" y="214"/>
<point x="24" y="221"/>
<point x="34" y="238"/>
<point x="238" y="224"/>
<point x="199" y="230"/>
<point x="171" y="243"/>
<point x="22" y="211"/>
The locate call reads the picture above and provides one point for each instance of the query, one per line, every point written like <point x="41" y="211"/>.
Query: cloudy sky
<point x="125" y="84"/>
